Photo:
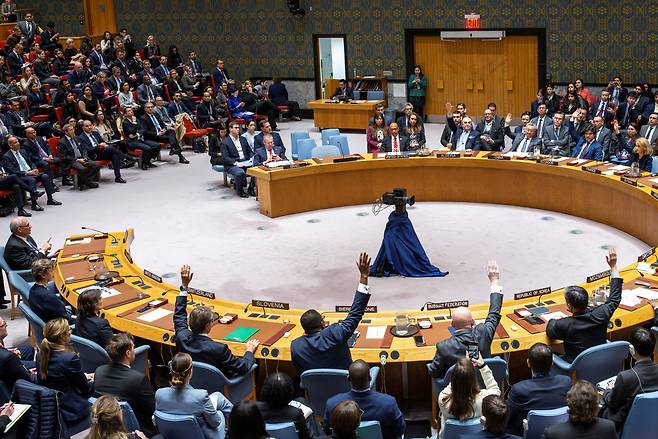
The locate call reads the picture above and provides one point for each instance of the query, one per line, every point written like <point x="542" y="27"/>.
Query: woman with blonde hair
<point x="642" y="154"/>
<point x="60" y="369"/>
<point x="107" y="421"/>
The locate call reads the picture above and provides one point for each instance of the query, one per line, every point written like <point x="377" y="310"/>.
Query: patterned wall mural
<point x="65" y="13"/>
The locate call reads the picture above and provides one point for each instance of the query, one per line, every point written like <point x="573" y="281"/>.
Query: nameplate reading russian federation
<point x="346" y="308"/>
<point x="153" y="276"/>
<point x="270" y="304"/>
<point x="629" y="181"/>
<point x="532" y="293"/>
<point x="201" y="293"/>
<point x="591" y="169"/>
<point x="646" y="254"/>
<point x="597" y="276"/>
<point x="433" y="306"/>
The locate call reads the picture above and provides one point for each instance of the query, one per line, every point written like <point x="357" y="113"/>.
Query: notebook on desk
<point x="19" y="411"/>
<point x="241" y="334"/>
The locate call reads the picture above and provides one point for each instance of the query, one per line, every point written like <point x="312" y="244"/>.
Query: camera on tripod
<point x="398" y="198"/>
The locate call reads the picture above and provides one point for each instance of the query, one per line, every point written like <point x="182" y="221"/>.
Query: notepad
<point x="618" y="168"/>
<point x="241" y="334"/>
<point x="278" y="164"/>
<point x="154" y="315"/>
<point x="628" y="298"/>
<point x="19" y="410"/>
<point x="646" y="293"/>
<point x="376" y="332"/>
<point x="553" y="316"/>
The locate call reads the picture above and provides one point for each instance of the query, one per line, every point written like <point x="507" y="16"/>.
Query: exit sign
<point x="472" y="21"/>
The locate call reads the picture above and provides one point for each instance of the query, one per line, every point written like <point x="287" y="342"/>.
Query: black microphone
<point x="115" y="257"/>
<point x="114" y="238"/>
<point x="422" y="308"/>
<point x="246" y="307"/>
<point x="134" y="275"/>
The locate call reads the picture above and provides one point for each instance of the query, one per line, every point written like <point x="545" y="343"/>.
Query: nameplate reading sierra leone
<point x="153" y="276"/>
<point x="201" y="293"/>
<point x="646" y="254"/>
<point x="270" y="304"/>
<point x="346" y="308"/>
<point x="532" y="293"/>
<point x="597" y="276"/>
<point x="433" y="306"/>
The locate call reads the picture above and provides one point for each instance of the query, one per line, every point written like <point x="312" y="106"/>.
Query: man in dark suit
<point x="269" y="152"/>
<point x="603" y="136"/>
<point x="651" y="106"/>
<point x="12" y="368"/>
<point x="375" y="406"/>
<point x="162" y="71"/>
<point x="195" y="341"/>
<point x="586" y="327"/>
<point x="220" y="74"/>
<point x="542" y="121"/>
<point x="21" y="250"/>
<point x="15" y="60"/>
<point x="588" y="148"/>
<point x="542" y="392"/>
<point x="73" y="156"/>
<point x="343" y="90"/>
<point x="178" y="106"/>
<point x="641" y="378"/>
<point x="650" y="130"/>
<point x="50" y="38"/>
<point x="236" y="155"/>
<point x="448" y="135"/>
<point x="44" y="299"/>
<point x="323" y="345"/>
<point x="18" y="121"/>
<point x="466" y="332"/>
<point x="577" y="126"/>
<point x="155" y="129"/>
<point x="278" y="94"/>
<point x="603" y="107"/>
<point x="18" y="186"/>
<point x="466" y="138"/>
<point x="403" y="120"/>
<point x="38" y="152"/>
<point x="96" y="149"/>
<point x="195" y="64"/>
<point x="98" y="62"/>
<point x="115" y="80"/>
<point x="630" y="111"/>
<point x="618" y="93"/>
<point x="266" y="128"/>
<point x="557" y="137"/>
<point x="495" y="414"/>
<point x="147" y="92"/>
<point x="130" y="385"/>
<point x="207" y="115"/>
<point x="492" y="134"/>
<point x="552" y="100"/>
<point x="395" y="142"/>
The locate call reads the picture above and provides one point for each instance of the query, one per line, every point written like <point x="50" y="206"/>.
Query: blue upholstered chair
<point x="642" y="416"/>
<point x="538" y="420"/>
<point x="342" y="143"/>
<point x="129" y="418"/>
<point x="454" y="427"/>
<point x="284" y="430"/>
<point x="220" y="168"/>
<point x="594" y="364"/>
<point x="4" y="266"/>
<point x="654" y="164"/>
<point x="173" y="426"/>
<point x="322" y="384"/>
<point x="20" y="284"/>
<point x="375" y="95"/>
<point x="208" y="377"/>
<point x="93" y="355"/>
<point x="327" y="133"/>
<point x="294" y="137"/>
<point x="370" y="430"/>
<point x="304" y="148"/>
<point x="35" y="322"/>
<point x="325" y="151"/>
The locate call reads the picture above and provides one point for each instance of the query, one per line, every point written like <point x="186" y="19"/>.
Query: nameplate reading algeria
<point x="346" y="308"/>
<point x="597" y="276"/>
<point x="201" y="293"/>
<point x="532" y="293"/>
<point x="153" y="276"/>
<point x="432" y="306"/>
<point x="270" y="304"/>
<point x="646" y="254"/>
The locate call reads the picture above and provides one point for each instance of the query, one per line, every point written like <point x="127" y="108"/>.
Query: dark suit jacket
<point x="14" y="121"/>
<point x="204" y="111"/>
<point x="15" y="63"/>
<point x="204" y="349"/>
<point x="97" y="59"/>
<point x="173" y="110"/>
<point x="623" y="93"/>
<point x="83" y="140"/>
<point x="446" y="135"/>
<point x="45" y="304"/>
<point x="599" y="429"/>
<point x="148" y="127"/>
<point x="642" y="378"/>
<point x="142" y="93"/>
<point x="160" y="73"/>
<point x="128" y="385"/>
<point x="473" y="141"/>
<point x="96" y="329"/>
<point x="258" y="141"/>
<point x="348" y="92"/>
<point x="66" y="153"/>
<point x="607" y="116"/>
<point x="595" y="151"/>
<point x="114" y="84"/>
<point x="11" y="165"/>
<point x="541" y="392"/>
<point x="626" y="114"/>
<point x="586" y="328"/>
<point x="450" y="350"/>
<point x="19" y="255"/>
<point x="31" y="149"/>
<point x="328" y="348"/>
<point x="230" y="155"/>
<point x="286" y="414"/>
<point x="497" y="134"/>
<point x="12" y="369"/>
<point x="278" y="93"/>
<point x="261" y="154"/>
<point x="387" y="144"/>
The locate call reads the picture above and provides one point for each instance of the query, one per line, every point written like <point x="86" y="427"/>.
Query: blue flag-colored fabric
<point x="401" y="252"/>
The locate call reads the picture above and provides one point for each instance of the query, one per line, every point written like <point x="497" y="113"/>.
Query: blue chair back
<point x="654" y="164"/>
<point x="370" y="430"/>
<point x="642" y="416"/>
<point x="20" y="284"/>
<point x="322" y="384"/>
<point x="595" y="364"/>
<point x="294" y="137"/>
<point x="538" y="420"/>
<point x="208" y="377"/>
<point x="177" y="426"/>
<point x="35" y="322"/>
<point x="375" y="95"/>
<point x="325" y="151"/>
<point x="454" y="428"/>
<point x="304" y="148"/>
<point x="342" y="143"/>
<point x="91" y="354"/>
<point x="129" y="419"/>
<point x="327" y="133"/>
<point x="284" y="430"/>
<point x="42" y="420"/>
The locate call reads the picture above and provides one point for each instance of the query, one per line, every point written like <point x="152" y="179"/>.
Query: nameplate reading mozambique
<point x="654" y="194"/>
<point x="270" y="304"/>
<point x="646" y="254"/>
<point x="591" y="169"/>
<point x="548" y="162"/>
<point x="433" y="306"/>
<point x="597" y="276"/>
<point x="629" y="181"/>
<point x="499" y="157"/>
<point x="201" y="293"/>
<point x="532" y="293"/>
<point x="346" y="308"/>
<point x="153" y="276"/>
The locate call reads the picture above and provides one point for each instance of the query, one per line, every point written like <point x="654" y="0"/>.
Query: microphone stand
<point x="114" y="238"/>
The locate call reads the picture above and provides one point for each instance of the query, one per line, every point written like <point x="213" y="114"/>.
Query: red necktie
<point x="269" y="154"/>
<point x="395" y="144"/>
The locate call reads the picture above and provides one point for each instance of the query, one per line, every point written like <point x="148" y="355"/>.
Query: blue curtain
<point x="401" y="252"/>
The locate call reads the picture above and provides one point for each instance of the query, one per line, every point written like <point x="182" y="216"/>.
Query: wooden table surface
<point x="344" y="115"/>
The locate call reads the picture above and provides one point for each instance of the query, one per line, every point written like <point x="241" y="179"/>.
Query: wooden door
<point x="100" y="16"/>
<point x="477" y="72"/>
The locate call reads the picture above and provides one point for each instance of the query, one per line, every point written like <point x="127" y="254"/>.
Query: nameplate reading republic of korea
<point x="532" y="293"/>
<point x="153" y="276"/>
<point x="433" y="306"/>
<point x="597" y="276"/>
<point x="646" y="254"/>
<point x="269" y="304"/>
<point x="346" y="308"/>
<point x="201" y="293"/>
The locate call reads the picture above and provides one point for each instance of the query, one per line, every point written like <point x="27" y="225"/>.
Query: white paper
<point x="553" y="316"/>
<point x="577" y="161"/>
<point x="105" y="292"/>
<point x="19" y="410"/>
<point x="277" y="164"/>
<point x="607" y="384"/>
<point x="561" y="159"/>
<point x="629" y="298"/>
<point x="247" y="163"/>
<point x="399" y="90"/>
<point x="154" y="315"/>
<point x="214" y="398"/>
<point x="645" y="268"/>
<point x="381" y="155"/>
<point x="608" y="173"/>
<point x="376" y="332"/>
<point x="618" y="168"/>
<point x="86" y="240"/>
<point x="307" y="411"/>
<point x="646" y="293"/>
<point x="515" y="154"/>
<point x="654" y="180"/>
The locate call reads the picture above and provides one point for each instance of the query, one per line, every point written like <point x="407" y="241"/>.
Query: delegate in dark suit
<point x="20" y="254"/>
<point x="37" y="150"/>
<point x="45" y="303"/>
<point x="447" y="136"/>
<point x="599" y="429"/>
<point x="348" y="91"/>
<point x="450" y="350"/>
<point x="603" y="109"/>
<point x="497" y="135"/>
<point x="91" y="143"/>
<point x="231" y="157"/>
<point x="94" y="328"/>
<point x="587" y="328"/>
<point x="557" y="138"/>
<point x="11" y="166"/>
<point x="258" y="141"/>
<point x="202" y="348"/>
<point x="12" y="369"/>
<point x="278" y="94"/>
<point x="471" y="140"/>
<point x="70" y="151"/>
<point x="387" y="144"/>
<point x="261" y="155"/>
<point x="151" y="131"/>
<point x="207" y="115"/>
<point x="593" y="150"/>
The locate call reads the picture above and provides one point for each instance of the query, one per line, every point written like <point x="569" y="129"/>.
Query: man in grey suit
<point x="527" y="142"/>
<point x="542" y="121"/>
<point x="650" y="131"/>
<point x="29" y="29"/>
<point x="602" y="135"/>
<point x="556" y="136"/>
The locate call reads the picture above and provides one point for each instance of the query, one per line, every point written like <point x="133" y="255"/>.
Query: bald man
<point x="466" y="332"/>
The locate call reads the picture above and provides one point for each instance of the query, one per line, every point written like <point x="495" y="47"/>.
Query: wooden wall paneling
<point x="100" y="16"/>
<point x="521" y="55"/>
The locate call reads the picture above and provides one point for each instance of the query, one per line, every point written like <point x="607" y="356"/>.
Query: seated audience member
<point x="381" y="109"/>
<point x="542" y="392"/>
<point x="583" y="423"/>
<point x="147" y="91"/>
<point x="467" y="332"/>
<point x="343" y="90"/>
<point x="277" y="404"/>
<point x="118" y="379"/>
<point x="97" y="149"/>
<point x="182" y="399"/>
<point x="269" y="152"/>
<point x="214" y="148"/>
<point x="38" y="104"/>
<point x="206" y="113"/>
<point x="466" y="138"/>
<point x="70" y="107"/>
<point x="650" y="130"/>
<point x="577" y="126"/>
<point x="279" y="96"/>
<point x="448" y="134"/>
<point x="518" y="130"/>
<point x="44" y="300"/>
<point x="162" y="71"/>
<point x="254" y="104"/>
<point x="135" y="139"/>
<point x="38" y="152"/>
<point x="603" y="107"/>
<point x="13" y="360"/>
<point x="246" y="422"/>
<point x="115" y="80"/>
<point x="126" y="98"/>
<point x="266" y="128"/>
<point x="492" y="133"/>
<point x="641" y="378"/>
<point x="324" y="345"/>
<point x="73" y="156"/>
<point x="494" y="420"/>
<point x="375" y="406"/>
<point x="104" y="128"/>
<point x="178" y="106"/>
<point x="88" y="104"/>
<point x="21" y="250"/>
<point x="586" y="327"/>
<point x="60" y="369"/>
<point x="220" y="74"/>
<point x="170" y="124"/>
<point x="237" y="108"/>
<point x="395" y="142"/>
<point x="90" y="324"/>
<point x="107" y="421"/>
<point x="462" y="397"/>
<point x="18" y="121"/>
<point x="376" y="133"/>
<point x="556" y="136"/>
<point x="602" y="135"/>
<point x="250" y="134"/>
<point x="415" y="133"/>
<point x="571" y="104"/>
<point x="154" y="129"/>
<point x="527" y="142"/>
<point x="344" y="420"/>
<point x="19" y="187"/>
<point x="236" y="157"/>
<point x="192" y="85"/>
<point x="195" y="341"/>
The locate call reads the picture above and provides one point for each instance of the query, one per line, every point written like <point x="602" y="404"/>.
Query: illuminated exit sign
<point x="472" y="21"/>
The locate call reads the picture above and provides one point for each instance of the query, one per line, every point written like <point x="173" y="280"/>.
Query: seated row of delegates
<point x="381" y="137"/>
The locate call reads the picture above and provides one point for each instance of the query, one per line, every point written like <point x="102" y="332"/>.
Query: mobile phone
<point x="473" y="351"/>
<point x="534" y="320"/>
<point x="420" y="340"/>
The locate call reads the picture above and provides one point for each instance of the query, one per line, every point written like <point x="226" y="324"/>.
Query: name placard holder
<point x="646" y="254"/>
<point x="654" y="194"/>
<point x="629" y="181"/>
<point x="591" y="169"/>
<point x="153" y="276"/>
<point x="597" y="276"/>
<point x="270" y="304"/>
<point x="532" y="293"/>
<point x="201" y="293"/>
<point x="346" y="308"/>
<point x="433" y="306"/>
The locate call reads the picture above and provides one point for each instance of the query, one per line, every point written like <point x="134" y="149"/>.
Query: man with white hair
<point x="466" y="332"/>
<point x="527" y="142"/>
<point x="21" y="250"/>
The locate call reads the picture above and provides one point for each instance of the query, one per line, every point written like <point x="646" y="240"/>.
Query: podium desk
<point x="343" y="115"/>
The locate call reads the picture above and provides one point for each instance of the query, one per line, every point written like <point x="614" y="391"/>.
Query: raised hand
<point x="492" y="271"/>
<point x="611" y="259"/>
<point x="508" y="119"/>
<point x="186" y="275"/>
<point x="364" y="266"/>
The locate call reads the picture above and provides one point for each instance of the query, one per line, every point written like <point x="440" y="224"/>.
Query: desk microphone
<point x="134" y="275"/>
<point x="113" y="256"/>
<point x="422" y="308"/>
<point x="249" y="304"/>
<point x="114" y="238"/>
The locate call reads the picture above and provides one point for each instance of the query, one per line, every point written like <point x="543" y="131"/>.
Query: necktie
<point x="269" y="154"/>
<point x="396" y="147"/>
<point x="155" y="123"/>
<point x="601" y="109"/>
<point x="524" y="145"/>
<point x="598" y="133"/>
<point x="32" y="244"/>
<point x="650" y="133"/>
<point x="625" y="119"/>
<point x="74" y="145"/>
<point x="42" y="153"/>
<point x="20" y="117"/>
<point x="178" y="109"/>
<point x="584" y="151"/>
<point x="92" y="140"/>
<point x="540" y="126"/>
<point x="22" y="164"/>
<point x="166" y="70"/>
<point x="150" y="94"/>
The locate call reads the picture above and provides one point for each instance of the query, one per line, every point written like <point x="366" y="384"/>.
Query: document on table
<point x="654" y="180"/>
<point x="376" y="332"/>
<point x="553" y="316"/>
<point x="19" y="410"/>
<point x="577" y="161"/>
<point x="516" y="154"/>
<point x="86" y="240"/>
<point x="105" y="292"/>
<point x="154" y="315"/>
<point x="646" y="293"/>
<point x="645" y="268"/>
<point x="277" y="164"/>
<point x="618" y="168"/>
<point x="629" y="298"/>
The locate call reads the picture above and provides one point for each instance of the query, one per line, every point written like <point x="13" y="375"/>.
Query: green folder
<point x="241" y="334"/>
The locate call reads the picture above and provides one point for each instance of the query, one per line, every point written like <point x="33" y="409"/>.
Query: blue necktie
<point x="155" y="123"/>
<point x="22" y="164"/>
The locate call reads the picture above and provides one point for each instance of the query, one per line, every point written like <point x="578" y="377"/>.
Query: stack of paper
<point x="154" y="315"/>
<point x="629" y="298"/>
<point x="553" y="316"/>
<point x="376" y="332"/>
<point x="646" y="293"/>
